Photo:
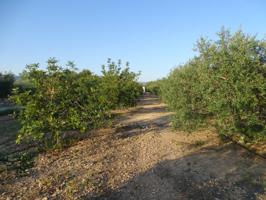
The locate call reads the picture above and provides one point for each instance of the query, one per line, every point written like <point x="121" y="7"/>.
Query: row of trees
<point x="63" y="99"/>
<point x="223" y="85"/>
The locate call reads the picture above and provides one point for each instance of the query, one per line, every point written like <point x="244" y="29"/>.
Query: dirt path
<point x="140" y="157"/>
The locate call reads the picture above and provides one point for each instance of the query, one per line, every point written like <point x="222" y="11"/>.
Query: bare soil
<point x="141" y="157"/>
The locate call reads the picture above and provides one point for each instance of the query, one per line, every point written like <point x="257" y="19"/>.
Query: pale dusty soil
<point x="141" y="157"/>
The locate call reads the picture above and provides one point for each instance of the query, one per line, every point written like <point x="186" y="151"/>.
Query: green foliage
<point x="224" y="83"/>
<point x="119" y="86"/>
<point x="153" y="87"/>
<point x="61" y="99"/>
<point x="183" y="93"/>
<point x="6" y="84"/>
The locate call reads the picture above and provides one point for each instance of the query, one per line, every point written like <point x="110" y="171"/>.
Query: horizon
<point x="154" y="37"/>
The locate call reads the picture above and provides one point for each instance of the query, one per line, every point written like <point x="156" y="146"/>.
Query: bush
<point x="183" y="93"/>
<point x="226" y="82"/>
<point x="6" y="84"/>
<point x="61" y="99"/>
<point x="153" y="87"/>
<point x="120" y="86"/>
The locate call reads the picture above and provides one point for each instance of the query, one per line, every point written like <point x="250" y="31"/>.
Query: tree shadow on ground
<point x="155" y="109"/>
<point x="142" y="127"/>
<point x="227" y="172"/>
<point x="148" y="99"/>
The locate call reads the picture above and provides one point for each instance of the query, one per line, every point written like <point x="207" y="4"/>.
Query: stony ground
<point x="141" y="157"/>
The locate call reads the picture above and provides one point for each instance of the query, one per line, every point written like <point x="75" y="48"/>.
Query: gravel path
<point x="141" y="157"/>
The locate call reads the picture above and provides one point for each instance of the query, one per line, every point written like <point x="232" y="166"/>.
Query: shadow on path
<point x="215" y="173"/>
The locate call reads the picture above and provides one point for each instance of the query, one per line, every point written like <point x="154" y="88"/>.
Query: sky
<point x="153" y="36"/>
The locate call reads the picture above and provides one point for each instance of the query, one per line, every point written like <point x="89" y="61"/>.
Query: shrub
<point x="62" y="100"/>
<point x="183" y="93"/>
<point x="225" y="81"/>
<point x="119" y="86"/>
<point x="153" y="87"/>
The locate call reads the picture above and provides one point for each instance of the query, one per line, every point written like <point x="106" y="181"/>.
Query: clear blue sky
<point x="154" y="36"/>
